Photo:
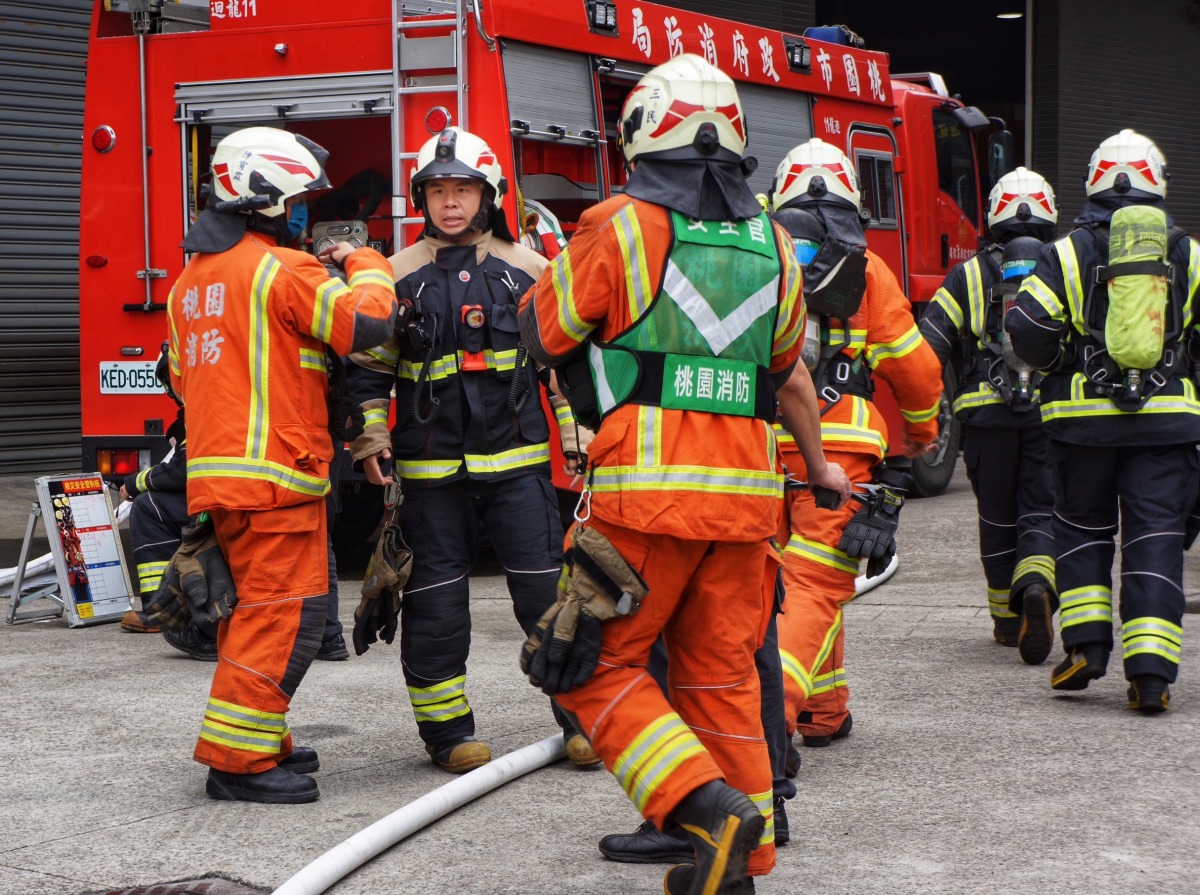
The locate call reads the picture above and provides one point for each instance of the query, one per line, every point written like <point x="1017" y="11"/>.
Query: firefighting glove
<point x="871" y="533"/>
<point x="167" y="608"/>
<point x="378" y="613"/>
<point x="197" y="585"/>
<point x="597" y="584"/>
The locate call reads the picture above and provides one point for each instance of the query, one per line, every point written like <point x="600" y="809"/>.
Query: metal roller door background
<point x="43" y="48"/>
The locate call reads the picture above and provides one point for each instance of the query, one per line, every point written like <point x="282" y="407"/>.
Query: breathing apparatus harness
<point x="1014" y="380"/>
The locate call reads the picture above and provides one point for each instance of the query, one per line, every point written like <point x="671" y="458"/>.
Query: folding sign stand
<point x="93" y="583"/>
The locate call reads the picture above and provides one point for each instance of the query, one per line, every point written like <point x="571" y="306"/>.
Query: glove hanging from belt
<point x="871" y="533"/>
<point x="378" y="613"/>
<point x="197" y="584"/>
<point x="596" y="585"/>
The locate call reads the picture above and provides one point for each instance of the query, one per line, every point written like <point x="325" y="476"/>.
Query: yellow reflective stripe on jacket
<point x="1149" y="636"/>
<point x="922" y="416"/>
<point x="444" y="701"/>
<point x="1038" y="564"/>
<point x="855" y="430"/>
<point x="1034" y="286"/>
<point x="708" y="479"/>
<point x="311" y="359"/>
<point x="371" y="276"/>
<point x="259" y="360"/>
<point x="427" y="469"/>
<point x="785" y="439"/>
<point x="856" y="344"/>
<point x="374" y="416"/>
<point x="906" y="344"/>
<point x="796" y="671"/>
<point x="822" y="554"/>
<point x="150" y="575"/>
<point x="386" y="355"/>
<point x="142" y="480"/>
<point x="649" y="445"/>
<point x="562" y="279"/>
<point x="655" y="753"/>
<point x="788" y="326"/>
<point x="563" y="415"/>
<point x="515" y="458"/>
<point x="441" y="368"/>
<point x="327" y="295"/>
<point x="1081" y="605"/>
<point x="1193" y="283"/>
<point x="998" y="603"/>
<point x="261" y="470"/>
<point x="1080" y="406"/>
<point x="976" y="297"/>
<point x="633" y="260"/>
<point x="983" y="395"/>
<point x="944" y="300"/>
<point x="1072" y="282"/>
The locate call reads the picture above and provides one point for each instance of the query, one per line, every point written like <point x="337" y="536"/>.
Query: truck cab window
<point x="956" y="163"/>
<point x="878" y="187"/>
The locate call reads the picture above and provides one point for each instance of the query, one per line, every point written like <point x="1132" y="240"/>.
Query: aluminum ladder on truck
<point x="422" y="64"/>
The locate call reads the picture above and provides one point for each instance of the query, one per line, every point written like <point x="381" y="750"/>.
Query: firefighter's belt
<point x="378" y="612"/>
<point x="597" y="585"/>
<point x="197" y="584"/>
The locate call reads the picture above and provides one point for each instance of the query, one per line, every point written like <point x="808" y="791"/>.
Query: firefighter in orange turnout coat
<point x="865" y="328"/>
<point x="249" y="323"/>
<point x="684" y="279"/>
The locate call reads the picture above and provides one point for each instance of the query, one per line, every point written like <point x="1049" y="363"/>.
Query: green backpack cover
<point x="1138" y="286"/>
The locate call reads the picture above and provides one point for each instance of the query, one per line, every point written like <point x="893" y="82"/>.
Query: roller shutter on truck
<point x="43" y="48"/>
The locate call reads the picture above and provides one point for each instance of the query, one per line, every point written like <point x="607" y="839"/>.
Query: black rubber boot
<point x="648" y="845"/>
<point x="1082" y="665"/>
<point x="303" y="760"/>
<point x="782" y="834"/>
<point x="1037" y="627"/>
<point x="841" y="733"/>
<point x="274" y="787"/>
<point x="194" y="642"/>
<point x="1149" y="693"/>
<point x="725" y="827"/>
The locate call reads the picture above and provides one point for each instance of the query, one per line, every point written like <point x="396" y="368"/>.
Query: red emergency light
<point x="437" y="119"/>
<point x="104" y="138"/>
<point x="112" y="462"/>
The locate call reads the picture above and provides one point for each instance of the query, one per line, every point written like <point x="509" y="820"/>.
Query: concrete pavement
<point x="965" y="773"/>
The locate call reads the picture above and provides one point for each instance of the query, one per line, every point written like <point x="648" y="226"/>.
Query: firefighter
<point x="996" y="401"/>
<point x="471" y="442"/>
<point x="1122" y="416"/>
<point x="861" y="326"/>
<point x="249" y="322"/>
<point x="670" y="316"/>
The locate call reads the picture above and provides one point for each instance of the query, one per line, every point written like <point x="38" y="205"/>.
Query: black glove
<point x="378" y="612"/>
<point x="204" y="575"/>
<point x="567" y="658"/>
<point x="871" y="533"/>
<point x="374" y="619"/>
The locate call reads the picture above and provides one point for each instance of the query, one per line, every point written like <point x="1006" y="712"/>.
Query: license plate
<point x="129" y="378"/>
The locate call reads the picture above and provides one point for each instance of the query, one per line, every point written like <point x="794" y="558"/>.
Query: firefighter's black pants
<point x="1148" y="491"/>
<point x="442" y="526"/>
<point x="1014" y="494"/>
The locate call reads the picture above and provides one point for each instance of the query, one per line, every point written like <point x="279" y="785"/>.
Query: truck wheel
<point x="932" y="472"/>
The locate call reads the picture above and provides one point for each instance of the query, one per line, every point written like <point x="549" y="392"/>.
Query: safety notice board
<point x="88" y="559"/>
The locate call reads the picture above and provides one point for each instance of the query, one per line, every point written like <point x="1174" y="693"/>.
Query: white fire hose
<point x="862" y="583"/>
<point x="403" y="822"/>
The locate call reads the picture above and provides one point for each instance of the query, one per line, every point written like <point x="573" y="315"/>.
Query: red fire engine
<point x="541" y="83"/>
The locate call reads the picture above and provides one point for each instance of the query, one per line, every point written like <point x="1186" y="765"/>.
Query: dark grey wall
<point x="1098" y="69"/>
<point x="786" y="15"/>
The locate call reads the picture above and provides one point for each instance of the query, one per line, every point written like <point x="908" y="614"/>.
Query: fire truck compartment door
<point x="550" y="93"/>
<point x="776" y="121"/>
<point x="283" y="99"/>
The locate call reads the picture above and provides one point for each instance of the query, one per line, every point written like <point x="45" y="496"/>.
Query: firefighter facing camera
<point x="1109" y="313"/>
<point x="860" y="326"/>
<point x="471" y="443"/>
<point x="250" y="323"/>
<point x="679" y="282"/>
<point x="997" y="404"/>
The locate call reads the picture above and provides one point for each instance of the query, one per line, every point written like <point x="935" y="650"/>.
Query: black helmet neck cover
<point x="701" y="189"/>
<point x="215" y="231"/>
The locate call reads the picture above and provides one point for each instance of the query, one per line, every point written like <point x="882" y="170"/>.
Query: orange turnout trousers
<point x="279" y="560"/>
<point x="819" y="580"/>
<point x="710" y="729"/>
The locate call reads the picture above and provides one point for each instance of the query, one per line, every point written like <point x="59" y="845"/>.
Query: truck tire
<point x="932" y="472"/>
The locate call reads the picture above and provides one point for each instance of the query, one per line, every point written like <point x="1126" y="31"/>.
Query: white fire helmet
<point x="457" y="153"/>
<point x="1134" y="156"/>
<point x="1021" y="197"/>
<point x="683" y="109"/>
<point x="260" y="168"/>
<point x="815" y="171"/>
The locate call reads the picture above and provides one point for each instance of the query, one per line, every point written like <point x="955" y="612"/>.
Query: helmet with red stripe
<point x="1127" y="164"/>
<point x="260" y="168"/>
<point x="457" y="153"/>
<point x="683" y="109"/>
<point x="815" y="171"/>
<point x="1021" y="202"/>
